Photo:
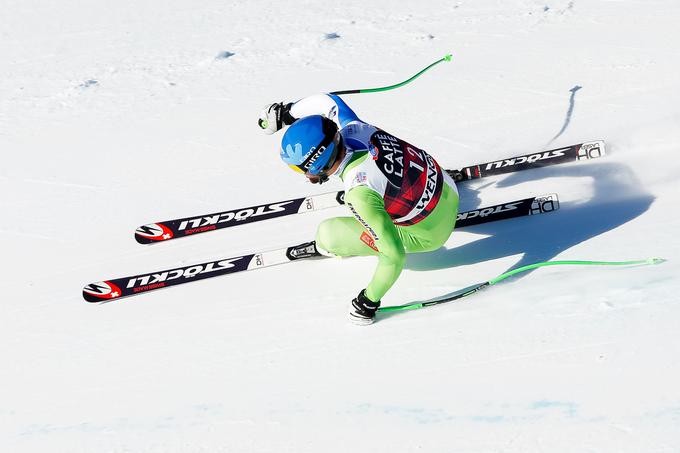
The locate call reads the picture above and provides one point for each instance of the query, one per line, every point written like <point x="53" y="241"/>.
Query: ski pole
<point x="474" y="288"/>
<point x="392" y="87"/>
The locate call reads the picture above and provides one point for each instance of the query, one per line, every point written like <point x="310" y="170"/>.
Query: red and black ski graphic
<point x="187" y="226"/>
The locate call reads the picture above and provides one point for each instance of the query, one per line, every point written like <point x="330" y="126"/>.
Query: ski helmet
<point x="311" y="145"/>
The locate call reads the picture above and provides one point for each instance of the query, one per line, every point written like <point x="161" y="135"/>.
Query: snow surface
<point x="117" y="114"/>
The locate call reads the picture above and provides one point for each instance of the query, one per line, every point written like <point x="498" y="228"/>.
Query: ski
<point x="177" y="228"/>
<point x="574" y="153"/>
<point x="172" y="229"/>
<point x="137" y="284"/>
<point x="511" y="210"/>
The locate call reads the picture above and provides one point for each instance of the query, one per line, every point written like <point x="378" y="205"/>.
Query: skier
<point x="402" y="201"/>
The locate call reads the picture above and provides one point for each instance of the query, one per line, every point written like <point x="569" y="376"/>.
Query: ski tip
<point x="656" y="260"/>
<point x="89" y="298"/>
<point x="153" y="232"/>
<point x="101" y="292"/>
<point x="448" y="57"/>
<point x="145" y="240"/>
<point x="142" y="240"/>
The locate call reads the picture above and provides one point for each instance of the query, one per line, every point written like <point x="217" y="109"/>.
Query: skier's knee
<point x="328" y="241"/>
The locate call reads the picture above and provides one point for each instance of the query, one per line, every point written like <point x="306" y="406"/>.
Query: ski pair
<point x="128" y="286"/>
<point x="187" y="226"/>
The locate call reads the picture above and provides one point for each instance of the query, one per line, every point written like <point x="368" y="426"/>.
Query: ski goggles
<point x="322" y="158"/>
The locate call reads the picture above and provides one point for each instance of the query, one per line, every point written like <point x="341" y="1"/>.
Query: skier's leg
<point x="432" y="232"/>
<point x="344" y="236"/>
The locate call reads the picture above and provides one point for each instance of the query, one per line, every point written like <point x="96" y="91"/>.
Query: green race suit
<point x="402" y="201"/>
<point x="372" y="232"/>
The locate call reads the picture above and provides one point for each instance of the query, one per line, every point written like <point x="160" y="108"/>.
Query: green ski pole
<point x="392" y="87"/>
<point x="474" y="288"/>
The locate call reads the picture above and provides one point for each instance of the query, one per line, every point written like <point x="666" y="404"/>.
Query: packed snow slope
<point x="117" y="114"/>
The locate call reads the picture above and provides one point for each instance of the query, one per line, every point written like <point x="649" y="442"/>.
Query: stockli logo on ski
<point x="519" y="208"/>
<point x="153" y="232"/>
<point x="101" y="291"/>
<point x="176" y="228"/>
<point x="122" y="287"/>
<point x="580" y="151"/>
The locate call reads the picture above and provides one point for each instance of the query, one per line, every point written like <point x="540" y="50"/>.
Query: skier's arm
<point x="328" y="105"/>
<point x="369" y="209"/>
<point x="275" y="116"/>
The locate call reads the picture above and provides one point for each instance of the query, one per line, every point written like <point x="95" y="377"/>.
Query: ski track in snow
<point x="117" y="115"/>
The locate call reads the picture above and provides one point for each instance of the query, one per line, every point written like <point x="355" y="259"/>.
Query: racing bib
<point x="415" y="180"/>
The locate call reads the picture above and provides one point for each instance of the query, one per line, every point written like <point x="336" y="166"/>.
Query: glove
<point x="274" y="117"/>
<point x="362" y="310"/>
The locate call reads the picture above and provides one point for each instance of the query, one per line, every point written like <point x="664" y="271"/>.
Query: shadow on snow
<point x="618" y="198"/>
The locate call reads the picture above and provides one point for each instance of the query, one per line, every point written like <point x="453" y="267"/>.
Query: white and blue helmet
<point x="311" y="145"/>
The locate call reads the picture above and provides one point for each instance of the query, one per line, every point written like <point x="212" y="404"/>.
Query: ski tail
<point x="574" y="153"/>
<point x="527" y="206"/>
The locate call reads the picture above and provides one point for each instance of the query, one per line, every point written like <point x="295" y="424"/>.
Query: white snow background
<point x="117" y="114"/>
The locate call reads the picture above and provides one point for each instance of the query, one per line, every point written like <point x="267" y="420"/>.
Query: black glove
<point x="362" y="311"/>
<point x="275" y="116"/>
